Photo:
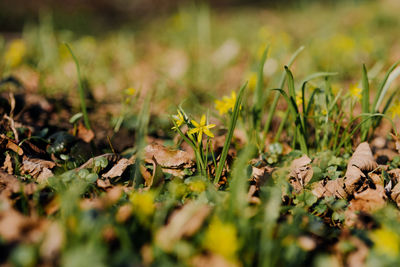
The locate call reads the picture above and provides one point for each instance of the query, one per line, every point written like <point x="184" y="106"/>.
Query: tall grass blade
<point x="232" y="125"/>
<point x="385" y="85"/>
<point x="81" y="89"/>
<point x="364" y="102"/>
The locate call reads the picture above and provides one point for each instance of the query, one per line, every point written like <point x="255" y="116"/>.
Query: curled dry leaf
<point x="184" y="222"/>
<point x="119" y="168"/>
<point x="38" y="168"/>
<point x="7" y="165"/>
<point x="167" y="158"/>
<point x="111" y="157"/>
<point x="212" y="260"/>
<point x="14" y="147"/>
<point x="395" y="194"/>
<point x="85" y="134"/>
<point x="330" y="188"/>
<point x="52" y="243"/>
<point x="300" y="172"/>
<point x="362" y="160"/>
<point x="260" y="174"/>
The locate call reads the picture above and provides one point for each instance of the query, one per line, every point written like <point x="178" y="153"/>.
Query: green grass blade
<point x="232" y="125"/>
<point x="364" y="102"/>
<point x="258" y="94"/>
<point x="81" y="89"/>
<point x="272" y="109"/>
<point x="384" y="87"/>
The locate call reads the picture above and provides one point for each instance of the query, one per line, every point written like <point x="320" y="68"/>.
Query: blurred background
<point x="190" y="51"/>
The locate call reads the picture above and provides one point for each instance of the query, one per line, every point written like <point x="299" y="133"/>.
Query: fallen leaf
<point x="7" y="165"/>
<point x="184" y="222"/>
<point x="85" y="134"/>
<point x="14" y="147"/>
<point x="300" y="172"/>
<point x="212" y="260"/>
<point x="38" y="168"/>
<point x="118" y="168"/>
<point x="167" y="158"/>
<point x="361" y="161"/>
<point x="52" y="243"/>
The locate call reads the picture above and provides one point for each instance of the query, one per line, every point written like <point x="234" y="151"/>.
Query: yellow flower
<point x="226" y="104"/>
<point x="130" y="91"/>
<point x="179" y="120"/>
<point x="221" y="238"/>
<point x="197" y="186"/>
<point x="395" y="109"/>
<point x="355" y="91"/>
<point x="201" y="128"/>
<point x="386" y="241"/>
<point x="299" y="100"/>
<point x="15" y="53"/>
<point x="143" y="203"/>
<point x="252" y="78"/>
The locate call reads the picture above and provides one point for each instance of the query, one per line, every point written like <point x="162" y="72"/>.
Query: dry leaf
<point x="52" y="243"/>
<point x="184" y="222"/>
<point x="330" y="188"/>
<point x="167" y="158"/>
<point x="111" y="157"/>
<point x="212" y="260"/>
<point x="260" y="174"/>
<point x="301" y="172"/>
<point x="85" y="134"/>
<point x="38" y="168"/>
<point x="7" y="165"/>
<point x="395" y="194"/>
<point x="362" y="160"/>
<point x="14" y="147"/>
<point x="119" y="168"/>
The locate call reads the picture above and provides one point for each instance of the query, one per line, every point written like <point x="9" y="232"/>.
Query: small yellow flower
<point x="130" y="91"/>
<point x="252" y="78"/>
<point x="395" y="109"/>
<point x="197" y="186"/>
<point x="201" y="128"/>
<point x="221" y="238"/>
<point x="15" y="53"/>
<point x="226" y="104"/>
<point x="299" y="100"/>
<point x="386" y="241"/>
<point x="179" y="120"/>
<point x="355" y="91"/>
<point x="143" y="203"/>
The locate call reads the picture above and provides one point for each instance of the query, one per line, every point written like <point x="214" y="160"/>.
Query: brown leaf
<point x="395" y="194"/>
<point x="118" y="168"/>
<point x="52" y="243"/>
<point x="168" y="158"/>
<point x="330" y="188"/>
<point x="184" y="222"/>
<point x="85" y="134"/>
<point x="362" y="160"/>
<point x="111" y="157"/>
<point x="38" y="168"/>
<point x="301" y="172"/>
<point x="7" y="165"/>
<point x="212" y="260"/>
<point x="103" y="183"/>
<point x="260" y="174"/>
<point x="14" y="147"/>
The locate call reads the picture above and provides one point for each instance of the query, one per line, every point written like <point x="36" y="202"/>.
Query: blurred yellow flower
<point x="299" y="100"/>
<point x="355" y="91"/>
<point x="386" y="241"/>
<point x="221" y="238"/>
<point x="130" y="91"/>
<point x="143" y="203"/>
<point x="197" y="186"/>
<point x="179" y="120"/>
<point x="15" y="52"/>
<point x="252" y="80"/>
<point x="395" y="109"/>
<point x="226" y="104"/>
<point x="201" y="128"/>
